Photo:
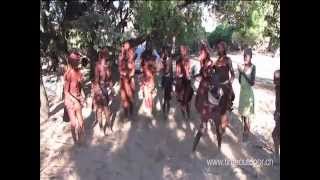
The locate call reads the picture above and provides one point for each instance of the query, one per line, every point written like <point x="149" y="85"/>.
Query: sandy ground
<point x="154" y="148"/>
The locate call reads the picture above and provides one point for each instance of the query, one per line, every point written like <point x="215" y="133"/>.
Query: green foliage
<point x="164" y="20"/>
<point x="253" y="21"/>
<point x="250" y="31"/>
<point x="82" y="24"/>
<point x="100" y="23"/>
<point x="222" y="32"/>
<point x="273" y="28"/>
<point x="77" y="39"/>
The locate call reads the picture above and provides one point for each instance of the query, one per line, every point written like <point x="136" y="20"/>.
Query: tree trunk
<point x="270" y="49"/>
<point x="173" y="45"/>
<point x="44" y="103"/>
<point x="93" y="55"/>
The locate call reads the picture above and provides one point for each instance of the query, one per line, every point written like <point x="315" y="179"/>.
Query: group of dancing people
<point x="213" y="97"/>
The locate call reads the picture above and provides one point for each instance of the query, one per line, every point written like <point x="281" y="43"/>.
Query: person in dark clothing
<point x="223" y="67"/>
<point x="276" y="130"/>
<point x="208" y="110"/>
<point x="166" y="80"/>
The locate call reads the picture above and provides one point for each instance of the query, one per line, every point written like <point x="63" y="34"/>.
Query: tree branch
<point x="123" y="21"/>
<point x="188" y="2"/>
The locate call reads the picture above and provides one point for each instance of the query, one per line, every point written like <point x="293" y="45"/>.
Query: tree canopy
<point x="252" y="21"/>
<point x="84" y="25"/>
<point x="163" y="20"/>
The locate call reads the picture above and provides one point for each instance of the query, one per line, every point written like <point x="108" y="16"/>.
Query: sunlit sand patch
<point x="126" y="126"/>
<point x="169" y="173"/>
<point x="263" y="125"/>
<point x="211" y="134"/>
<point x="243" y="150"/>
<point x="148" y="114"/>
<point x="233" y="136"/>
<point x="184" y="126"/>
<point x="144" y="111"/>
<point x="171" y="114"/>
<point x="122" y="139"/>
<point x="158" y="105"/>
<point x="198" y="155"/>
<point x="180" y="134"/>
<point x="226" y="149"/>
<point x="154" y="122"/>
<point x="166" y="173"/>
<point x="116" y="123"/>
<point x="141" y="110"/>
<point x="86" y="112"/>
<point x="172" y="124"/>
<point x="239" y="173"/>
<point x="192" y="126"/>
<point x="179" y="173"/>
<point x="116" y="88"/>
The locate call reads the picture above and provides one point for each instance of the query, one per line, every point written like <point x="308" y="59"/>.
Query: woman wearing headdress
<point x="208" y="111"/>
<point x="127" y="72"/>
<point x="102" y="87"/>
<point x="184" y="89"/>
<point x="74" y="97"/>
<point x="148" y="64"/>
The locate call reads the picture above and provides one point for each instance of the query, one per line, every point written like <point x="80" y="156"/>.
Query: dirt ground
<point x="150" y="147"/>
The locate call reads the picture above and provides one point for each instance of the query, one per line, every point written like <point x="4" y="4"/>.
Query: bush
<point x="250" y="32"/>
<point x="243" y="40"/>
<point x="222" y="32"/>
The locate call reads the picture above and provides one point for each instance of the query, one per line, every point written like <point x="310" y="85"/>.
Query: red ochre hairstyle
<point x="74" y="56"/>
<point x="103" y="53"/>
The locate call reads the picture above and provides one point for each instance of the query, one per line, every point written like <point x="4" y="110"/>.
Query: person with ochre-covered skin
<point x="127" y="72"/>
<point x="184" y="89"/>
<point x="74" y="97"/>
<point x="102" y="88"/>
